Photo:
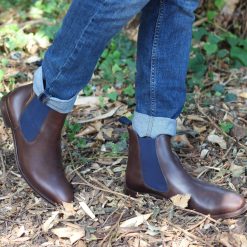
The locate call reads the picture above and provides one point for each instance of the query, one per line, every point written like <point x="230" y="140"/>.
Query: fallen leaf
<point x="239" y="132"/>
<point x="243" y="95"/>
<point x="181" y="141"/>
<point x="89" y="100"/>
<point x="204" y="153"/>
<point x="136" y="221"/>
<point x="137" y="242"/>
<point x="74" y="234"/>
<point x="218" y="140"/>
<point x="181" y="200"/>
<point x="108" y="132"/>
<point x="236" y="170"/>
<point x="199" y="129"/>
<point x="50" y="221"/>
<point x="232" y="240"/>
<point x="18" y="231"/>
<point x="69" y="208"/>
<point x="87" y="210"/>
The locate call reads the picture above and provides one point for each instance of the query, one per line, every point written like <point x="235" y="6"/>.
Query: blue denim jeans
<point x="163" y="53"/>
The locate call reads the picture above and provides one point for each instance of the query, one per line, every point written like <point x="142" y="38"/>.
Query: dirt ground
<point x="101" y="214"/>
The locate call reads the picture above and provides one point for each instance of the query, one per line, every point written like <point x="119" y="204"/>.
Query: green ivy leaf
<point x="112" y="96"/>
<point x="240" y="54"/>
<point x="230" y="97"/>
<point x="210" y="48"/>
<point x="130" y="91"/>
<point x="219" y="88"/>
<point x="211" y="15"/>
<point x="219" y="3"/>
<point x="226" y="126"/>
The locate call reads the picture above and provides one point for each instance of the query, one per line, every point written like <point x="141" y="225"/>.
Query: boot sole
<point x="234" y="214"/>
<point x="8" y="124"/>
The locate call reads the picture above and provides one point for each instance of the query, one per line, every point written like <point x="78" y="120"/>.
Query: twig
<point x="113" y="228"/>
<point x="198" y="213"/>
<point x="101" y="117"/>
<point x="200" y="21"/>
<point x="197" y="224"/>
<point x="218" y="128"/>
<point x="103" y="189"/>
<point x="191" y="235"/>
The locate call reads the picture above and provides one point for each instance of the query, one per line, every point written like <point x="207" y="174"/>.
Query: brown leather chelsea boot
<point x="36" y="130"/>
<point x="153" y="168"/>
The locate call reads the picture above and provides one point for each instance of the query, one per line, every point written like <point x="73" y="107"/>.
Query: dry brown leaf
<point x="236" y="170"/>
<point x="100" y="136"/>
<point x="137" y="242"/>
<point x="69" y="207"/>
<point x="181" y="200"/>
<point x="50" y="221"/>
<point x="243" y="95"/>
<point x="136" y="221"/>
<point x="218" y="140"/>
<point x="73" y="234"/>
<point x="18" y="231"/>
<point x="232" y="240"/>
<point x="108" y="132"/>
<point x="199" y="129"/>
<point x="239" y="132"/>
<point x="181" y="141"/>
<point x="89" y="100"/>
<point x="81" y="243"/>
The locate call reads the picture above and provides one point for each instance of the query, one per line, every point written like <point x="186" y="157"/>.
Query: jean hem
<point x="59" y="105"/>
<point x="151" y="126"/>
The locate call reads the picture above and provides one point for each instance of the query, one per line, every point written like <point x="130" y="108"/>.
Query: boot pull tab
<point x="125" y="121"/>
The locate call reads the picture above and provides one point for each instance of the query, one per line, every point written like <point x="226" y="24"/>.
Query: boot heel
<point x="4" y="110"/>
<point x="130" y="192"/>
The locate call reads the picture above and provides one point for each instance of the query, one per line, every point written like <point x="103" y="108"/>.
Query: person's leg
<point x="163" y="54"/>
<point x="69" y="63"/>
<point x="36" y="116"/>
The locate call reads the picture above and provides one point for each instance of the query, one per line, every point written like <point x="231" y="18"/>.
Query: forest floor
<point x="211" y="143"/>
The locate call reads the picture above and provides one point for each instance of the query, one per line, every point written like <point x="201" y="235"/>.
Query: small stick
<point x="218" y="128"/>
<point x="187" y="233"/>
<point x="102" y="189"/>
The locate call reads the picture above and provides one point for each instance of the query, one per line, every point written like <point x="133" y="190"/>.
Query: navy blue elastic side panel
<point x="32" y="119"/>
<point x="125" y="121"/>
<point x="151" y="170"/>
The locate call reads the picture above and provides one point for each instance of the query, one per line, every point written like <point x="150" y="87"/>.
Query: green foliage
<point x="117" y="63"/>
<point x="212" y="48"/>
<point x="71" y="131"/>
<point x="129" y="91"/>
<point x="112" y="96"/>
<point x="226" y="126"/>
<point x="117" y="148"/>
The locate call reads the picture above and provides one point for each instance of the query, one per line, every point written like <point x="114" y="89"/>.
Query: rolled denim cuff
<point x="150" y="126"/>
<point x="59" y="105"/>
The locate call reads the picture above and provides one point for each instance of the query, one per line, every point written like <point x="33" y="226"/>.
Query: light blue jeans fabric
<point x="163" y="53"/>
